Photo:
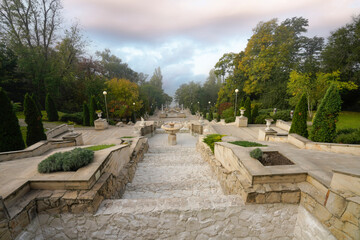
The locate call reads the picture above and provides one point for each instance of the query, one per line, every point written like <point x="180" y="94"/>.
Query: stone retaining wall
<point x="52" y="202"/>
<point x="57" y="131"/>
<point x="196" y="128"/>
<point x="36" y="149"/>
<point x="283" y="125"/>
<point x="4" y="221"/>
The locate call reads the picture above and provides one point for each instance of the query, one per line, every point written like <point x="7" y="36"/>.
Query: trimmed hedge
<point x="298" y="124"/>
<point x="254" y="113"/>
<point x="66" y="161"/>
<point x="282" y="115"/>
<point x="261" y="118"/>
<point x="50" y="108"/>
<point x="11" y="138"/>
<point x="92" y="109"/>
<point x="72" y="117"/>
<point x="348" y="136"/>
<point x="324" y="124"/>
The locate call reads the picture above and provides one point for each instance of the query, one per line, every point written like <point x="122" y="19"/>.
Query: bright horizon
<point x="186" y="38"/>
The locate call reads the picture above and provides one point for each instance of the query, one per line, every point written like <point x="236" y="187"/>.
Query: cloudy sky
<point x="187" y="37"/>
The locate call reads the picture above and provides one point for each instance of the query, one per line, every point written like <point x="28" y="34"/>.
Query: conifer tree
<point x="11" y="138"/>
<point x="86" y="115"/>
<point x="50" y="108"/>
<point x="35" y="130"/>
<point x="298" y="124"/>
<point x="324" y="124"/>
<point x="37" y="102"/>
<point x="254" y="113"/>
<point x="247" y="106"/>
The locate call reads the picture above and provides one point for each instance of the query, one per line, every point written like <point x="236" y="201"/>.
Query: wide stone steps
<point x="172" y="189"/>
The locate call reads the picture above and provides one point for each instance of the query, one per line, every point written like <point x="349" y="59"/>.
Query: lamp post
<point x="107" y="113"/>
<point x="236" y="91"/>
<point x="134" y="113"/>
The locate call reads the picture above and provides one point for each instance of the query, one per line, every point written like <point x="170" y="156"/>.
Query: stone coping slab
<point x="256" y="172"/>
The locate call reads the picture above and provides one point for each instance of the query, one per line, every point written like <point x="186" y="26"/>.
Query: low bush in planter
<point x="73" y="117"/>
<point x="66" y="161"/>
<point x="256" y="153"/>
<point x="211" y="139"/>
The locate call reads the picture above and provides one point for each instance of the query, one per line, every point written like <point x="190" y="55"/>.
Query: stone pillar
<point x="172" y="139"/>
<point x="100" y="124"/>
<point x="263" y="134"/>
<point x="241" y="121"/>
<point x="76" y="137"/>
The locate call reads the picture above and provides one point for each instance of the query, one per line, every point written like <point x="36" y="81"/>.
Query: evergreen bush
<point x="50" y="108"/>
<point x="92" y="110"/>
<point x="247" y="107"/>
<point x="86" y="115"/>
<point x="210" y="116"/>
<point x="348" y="136"/>
<point x="37" y="102"/>
<point x="35" y="129"/>
<point x="324" y="124"/>
<point x="11" y="138"/>
<point x="242" y="103"/>
<point x="72" y="117"/>
<point x="66" y="161"/>
<point x="298" y="124"/>
<point x="254" y="113"/>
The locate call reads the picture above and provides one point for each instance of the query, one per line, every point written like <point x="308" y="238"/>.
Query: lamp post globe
<point x="107" y="113"/>
<point x="236" y="92"/>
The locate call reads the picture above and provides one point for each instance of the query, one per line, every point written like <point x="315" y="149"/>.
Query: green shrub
<point x="210" y="116"/>
<point x="35" y="129"/>
<point x="247" y="107"/>
<point x="324" y="124"/>
<point x="261" y="118"/>
<point x="256" y="153"/>
<point x="228" y="113"/>
<point x="50" y="108"/>
<point x="66" y="161"/>
<point x="92" y="110"/>
<point x="17" y="107"/>
<point x="242" y="103"/>
<point x="299" y="125"/>
<point x="11" y="137"/>
<point x="266" y="111"/>
<point x="72" y="117"/>
<point x="254" y="113"/>
<point x="230" y="119"/>
<point x="211" y="139"/>
<point x="247" y="144"/>
<point x="282" y="115"/>
<point x="348" y="136"/>
<point x="86" y="115"/>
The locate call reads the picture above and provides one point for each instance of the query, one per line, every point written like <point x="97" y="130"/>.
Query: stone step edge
<point x="145" y="205"/>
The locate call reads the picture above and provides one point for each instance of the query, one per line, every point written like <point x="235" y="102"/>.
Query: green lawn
<point x="23" y="133"/>
<point x="348" y="120"/>
<point x="100" y="147"/>
<point x="248" y="144"/>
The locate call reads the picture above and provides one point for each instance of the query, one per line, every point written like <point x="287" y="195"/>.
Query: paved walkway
<point x="318" y="164"/>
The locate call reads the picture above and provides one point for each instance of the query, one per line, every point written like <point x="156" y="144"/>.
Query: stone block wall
<point x="4" y="222"/>
<point x="196" y="128"/>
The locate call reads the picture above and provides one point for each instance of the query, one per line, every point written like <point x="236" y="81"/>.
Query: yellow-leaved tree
<point x="123" y="97"/>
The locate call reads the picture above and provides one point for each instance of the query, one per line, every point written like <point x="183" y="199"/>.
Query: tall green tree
<point x="11" y="138"/>
<point x="50" y="108"/>
<point x="299" y="125"/>
<point x="35" y="129"/>
<point x="324" y="124"/>
<point x="156" y="78"/>
<point x="342" y="54"/>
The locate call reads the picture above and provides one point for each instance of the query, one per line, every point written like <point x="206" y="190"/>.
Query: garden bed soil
<point x="274" y="158"/>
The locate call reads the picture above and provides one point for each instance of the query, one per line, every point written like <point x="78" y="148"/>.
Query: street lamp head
<point x="104" y="92"/>
<point x="209" y="102"/>
<point x="236" y="90"/>
<point x="133" y="103"/>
